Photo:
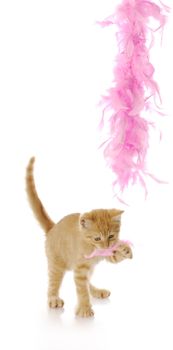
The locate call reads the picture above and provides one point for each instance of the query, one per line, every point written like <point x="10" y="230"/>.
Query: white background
<point x="54" y="65"/>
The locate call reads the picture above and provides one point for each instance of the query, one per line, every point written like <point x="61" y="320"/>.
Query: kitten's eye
<point x="111" y="236"/>
<point x="97" y="239"/>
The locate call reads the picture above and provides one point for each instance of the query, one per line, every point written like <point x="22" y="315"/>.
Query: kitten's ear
<point x="116" y="215"/>
<point x="116" y="218"/>
<point x="85" y="222"/>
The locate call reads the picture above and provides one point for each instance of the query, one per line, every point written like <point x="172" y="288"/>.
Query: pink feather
<point x="107" y="251"/>
<point x="133" y="86"/>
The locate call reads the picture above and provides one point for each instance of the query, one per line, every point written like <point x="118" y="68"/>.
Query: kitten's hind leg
<point x="99" y="293"/>
<point x="96" y="292"/>
<point x="56" y="274"/>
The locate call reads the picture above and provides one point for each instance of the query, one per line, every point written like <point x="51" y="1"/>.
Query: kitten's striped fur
<point x="68" y="241"/>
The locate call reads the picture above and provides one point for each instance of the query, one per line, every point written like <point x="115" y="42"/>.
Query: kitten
<point x="70" y="240"/>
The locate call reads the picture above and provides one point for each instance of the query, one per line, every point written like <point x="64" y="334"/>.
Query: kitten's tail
<point x="35" y="202"/>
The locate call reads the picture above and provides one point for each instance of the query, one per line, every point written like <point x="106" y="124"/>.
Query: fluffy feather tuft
<point x="133" y="91"/>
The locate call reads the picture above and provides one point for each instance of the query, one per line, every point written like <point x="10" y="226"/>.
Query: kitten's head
<point x="101" y="227"/>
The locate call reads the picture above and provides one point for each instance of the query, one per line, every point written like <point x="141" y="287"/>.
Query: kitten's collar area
<point x="108" y="251"/>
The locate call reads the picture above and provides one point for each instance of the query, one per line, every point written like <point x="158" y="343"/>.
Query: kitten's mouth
<point x="124" y="250"/>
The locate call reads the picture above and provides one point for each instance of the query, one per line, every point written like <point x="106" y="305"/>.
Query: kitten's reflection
<point x="97" y="301"/>
<point x="54" y="316"/>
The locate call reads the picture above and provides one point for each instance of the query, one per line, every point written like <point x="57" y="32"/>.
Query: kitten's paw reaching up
<point x="84" y="311"/>
<point x="116" y="257"/>
<point x="55" y="302"/>
<point x="125" y="250"/>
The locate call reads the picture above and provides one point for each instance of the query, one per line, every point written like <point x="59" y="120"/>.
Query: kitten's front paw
<point x="123" y="252"/>
<point x="116" y="257"/>
<point x="84" y="311"/>
<point x="55" y="302"/>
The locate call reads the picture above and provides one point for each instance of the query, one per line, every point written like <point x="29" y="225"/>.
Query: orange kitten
<point x="70" y="240"/>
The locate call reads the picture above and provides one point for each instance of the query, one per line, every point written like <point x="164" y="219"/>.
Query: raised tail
<point x="35" y="202"/>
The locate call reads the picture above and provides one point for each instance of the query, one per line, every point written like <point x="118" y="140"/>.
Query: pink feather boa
<point x="133" y="91"/>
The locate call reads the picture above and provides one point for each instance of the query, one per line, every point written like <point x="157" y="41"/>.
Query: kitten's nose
<point x="105" y="244"/>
